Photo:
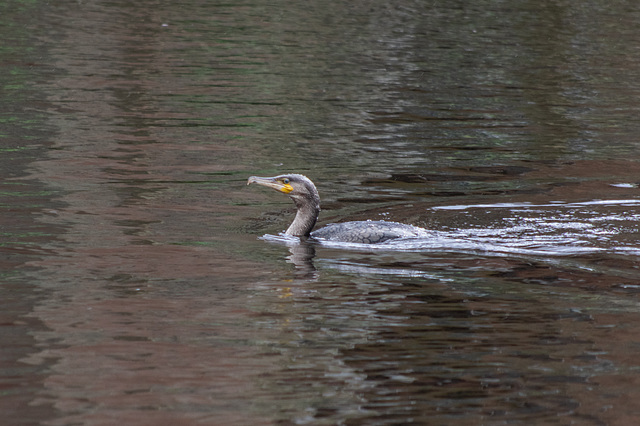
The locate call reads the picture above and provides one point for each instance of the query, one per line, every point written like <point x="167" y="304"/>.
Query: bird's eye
<point x="285" y="181"/>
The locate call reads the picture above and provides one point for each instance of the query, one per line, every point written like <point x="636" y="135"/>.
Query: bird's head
<point x="298" y="187"/>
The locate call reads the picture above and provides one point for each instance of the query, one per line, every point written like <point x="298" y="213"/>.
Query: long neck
<point x="306" y="217"/>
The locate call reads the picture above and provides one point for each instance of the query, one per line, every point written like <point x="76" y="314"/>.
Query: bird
<point x="305" y="196"/>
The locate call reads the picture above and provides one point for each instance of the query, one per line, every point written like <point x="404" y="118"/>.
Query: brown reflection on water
<point x="153" y="354"/>
<point x="156" y="303"/>
<point x="145" y="300"/>
<point x="411" y="350"/>
<point x="146" y="321"/>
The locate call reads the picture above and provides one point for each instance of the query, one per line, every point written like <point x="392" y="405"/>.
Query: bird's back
<point x="367" y="232"/>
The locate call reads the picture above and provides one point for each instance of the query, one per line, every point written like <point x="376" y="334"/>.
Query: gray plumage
<point x="305" y="196"/>
<point x="368" y="231"/>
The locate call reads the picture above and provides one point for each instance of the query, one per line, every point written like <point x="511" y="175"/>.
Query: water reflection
<point x="302" y="254"/>
<point x="401" y="347"/>
<point x="134" y="286"/>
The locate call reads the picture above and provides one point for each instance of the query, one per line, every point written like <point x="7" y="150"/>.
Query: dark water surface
<point x="136" y="288"/>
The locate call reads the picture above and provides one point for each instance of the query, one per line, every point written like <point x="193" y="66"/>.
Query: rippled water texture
<point x="143" y="283"/>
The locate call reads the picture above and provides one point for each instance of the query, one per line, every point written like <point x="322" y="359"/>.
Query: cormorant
<point x="305" y="196"/>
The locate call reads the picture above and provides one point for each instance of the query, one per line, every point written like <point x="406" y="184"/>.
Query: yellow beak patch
<point x="286" y="188"/>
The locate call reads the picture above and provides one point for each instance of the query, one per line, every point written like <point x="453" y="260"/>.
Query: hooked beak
<point x="271" y="183"/>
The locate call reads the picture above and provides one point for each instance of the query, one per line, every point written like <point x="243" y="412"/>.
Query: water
<point x="144" y="283"/>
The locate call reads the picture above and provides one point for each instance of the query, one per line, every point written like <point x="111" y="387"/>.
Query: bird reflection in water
<point x="302" y="254"/>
